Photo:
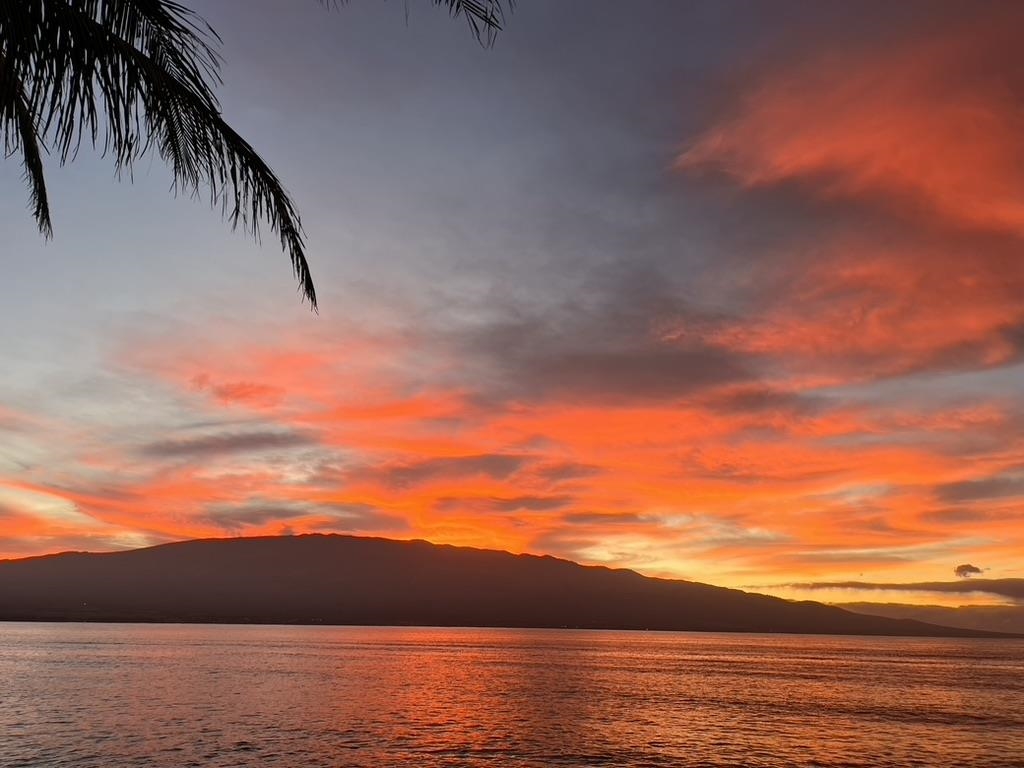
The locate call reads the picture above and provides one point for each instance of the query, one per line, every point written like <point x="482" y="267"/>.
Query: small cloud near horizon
<point x="966" y="571"/>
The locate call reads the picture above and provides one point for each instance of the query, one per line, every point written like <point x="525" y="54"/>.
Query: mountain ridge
<point x="342" y="579"/>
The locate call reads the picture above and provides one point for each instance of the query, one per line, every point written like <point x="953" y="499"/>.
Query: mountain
<point x="333" y="579"/>
<point x="993" y="618"/>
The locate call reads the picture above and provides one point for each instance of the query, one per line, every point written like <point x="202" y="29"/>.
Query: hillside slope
<point x="334" y="579"/>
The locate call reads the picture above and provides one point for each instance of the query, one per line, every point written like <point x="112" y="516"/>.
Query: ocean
<point x="84" y="695"/>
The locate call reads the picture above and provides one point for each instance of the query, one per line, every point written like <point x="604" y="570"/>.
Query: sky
<point x="724" y="291"/>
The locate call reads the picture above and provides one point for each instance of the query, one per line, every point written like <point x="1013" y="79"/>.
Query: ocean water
<point x="77" y="695"/>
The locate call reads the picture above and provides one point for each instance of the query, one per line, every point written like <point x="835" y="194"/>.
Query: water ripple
<point x="91" y="696"/>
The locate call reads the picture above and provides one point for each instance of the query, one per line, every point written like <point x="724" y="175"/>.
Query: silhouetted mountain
<point x="351" y="580"/>
<point x="992" y="618"/>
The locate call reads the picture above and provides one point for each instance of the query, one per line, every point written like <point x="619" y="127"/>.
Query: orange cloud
<point x="935" y="123"/>
<point x="739" y="484"/>
<point x="921" y="143"/>
<point x="864" y="310"/>
<point x="720" y="486"/>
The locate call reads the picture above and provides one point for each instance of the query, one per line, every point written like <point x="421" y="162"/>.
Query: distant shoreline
<point x="206" y="623"/>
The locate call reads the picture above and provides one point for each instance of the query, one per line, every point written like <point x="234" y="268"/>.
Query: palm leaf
<point x="485" y="17"/>
<point x="130" y="75"/>
<point x="19" y="130"/>
<point x="127" y="76"/>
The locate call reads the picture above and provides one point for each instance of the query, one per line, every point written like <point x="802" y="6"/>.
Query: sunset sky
<point x="725" y="291"/>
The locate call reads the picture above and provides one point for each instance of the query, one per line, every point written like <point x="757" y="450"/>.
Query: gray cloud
<point x="1001" y="486"/>
<point x="602" y="518"/>
<point x="604" y="344"/>
<point x="498" y="504"/>
<point x="757" y="398"/>
<point x="956" y="515"/>
<point x="532" y="503"/>
<point x="495" y="465"/>
<point x="966" y="570"/>
<point x="357" y="518"/>
<point x="644" y="372"/>
<point x="566" y="470"/>
<point x="226" y="443"/>
<point x="96" y="490"/>
<point x="326" y="517"/>
<point x="232" y="517"/>
<point x="752" y="399"/>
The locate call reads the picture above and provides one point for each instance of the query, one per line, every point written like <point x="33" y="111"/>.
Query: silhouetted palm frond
<point x="125" y="76"/>
<point x="485" y="17"/>
<point x="18" y="125"/>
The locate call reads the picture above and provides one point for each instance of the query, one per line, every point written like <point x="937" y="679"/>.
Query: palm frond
<point x="485" y="17"/>
<point x="19" y="130"/>
<point x="126" y="76"/>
